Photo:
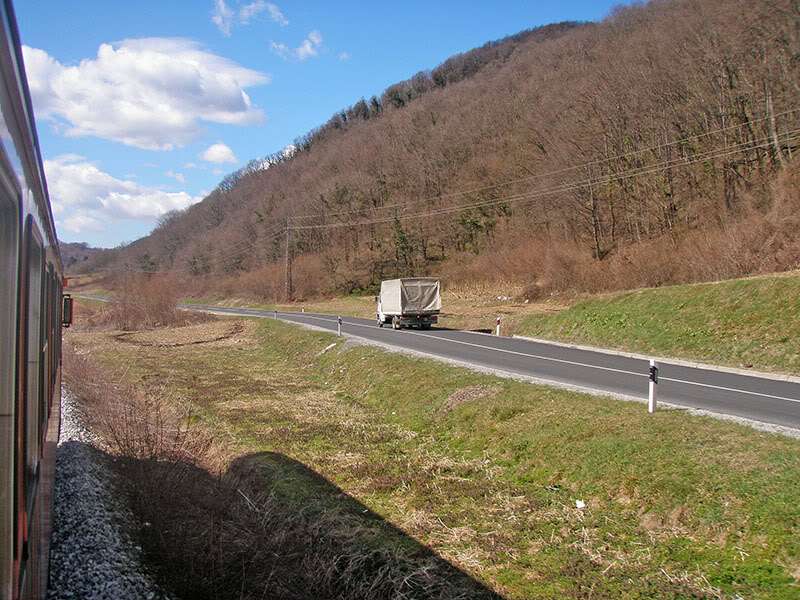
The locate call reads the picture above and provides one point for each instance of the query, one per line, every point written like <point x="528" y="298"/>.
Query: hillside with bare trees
<point x="655" y="147"/>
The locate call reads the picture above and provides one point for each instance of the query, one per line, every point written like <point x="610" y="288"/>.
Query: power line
<point x="548" y="174"/>
<point x="565" y="187"/>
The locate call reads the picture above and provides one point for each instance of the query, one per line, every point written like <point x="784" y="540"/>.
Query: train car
<point x="31" y="310"/>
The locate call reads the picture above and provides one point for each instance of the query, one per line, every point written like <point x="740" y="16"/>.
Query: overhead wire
<point x="565" y="187"/>
<point x="683" y="140"/>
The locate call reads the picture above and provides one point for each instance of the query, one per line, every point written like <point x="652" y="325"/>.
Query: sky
<point x="143" y="107"/>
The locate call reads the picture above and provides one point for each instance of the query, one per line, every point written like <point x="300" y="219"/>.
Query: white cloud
<point x="81" y="224"/>
<point x="248" y="11"/>
<point x="276" y="15"/>
<point x="281" y="50"/>
<point x="178" y="176"/>
<point x="191" y="165"/>
<point x="345" y="56"/>
<point x="222" y="17"/>
<point x="308" y="48"/>
<point x="218" y="154"/>
<point x="85" y="199"/>
<point x="151" y="93"/>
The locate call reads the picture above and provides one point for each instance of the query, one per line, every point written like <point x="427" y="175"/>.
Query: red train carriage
<point x="30" y="335"/>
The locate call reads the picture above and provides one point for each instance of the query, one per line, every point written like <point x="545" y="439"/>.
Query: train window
<point x="34" y="283"/>
<point x="9" y="271"/>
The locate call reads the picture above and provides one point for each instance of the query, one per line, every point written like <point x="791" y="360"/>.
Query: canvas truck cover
<point x="410" y="296"/>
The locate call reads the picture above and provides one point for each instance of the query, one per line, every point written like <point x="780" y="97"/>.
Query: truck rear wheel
<point x="395" y="323"/>
<point x="380" y="322"/>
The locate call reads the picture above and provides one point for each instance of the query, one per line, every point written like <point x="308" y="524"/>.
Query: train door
<point x="10" y="222"/>
<point x="28" y="410"/>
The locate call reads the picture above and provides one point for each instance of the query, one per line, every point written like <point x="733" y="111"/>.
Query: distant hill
<point x="74" y="254"/>
<point x="657" y="146"/>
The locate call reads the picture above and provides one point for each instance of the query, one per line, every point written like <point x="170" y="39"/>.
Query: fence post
<point x="497" y="331"/>
<point x="651" y="404"/>
<point x="339" y="320"/>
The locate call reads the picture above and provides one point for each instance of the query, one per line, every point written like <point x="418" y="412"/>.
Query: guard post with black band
<point x="651" y="404"/>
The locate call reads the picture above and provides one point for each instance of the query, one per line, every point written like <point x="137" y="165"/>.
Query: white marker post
<point x="497" y="331"/>
<point x="276" y="313"/>
<point x="651" y="404"/>
<point x="304" y="308"/>
<point x="339" y="320"/>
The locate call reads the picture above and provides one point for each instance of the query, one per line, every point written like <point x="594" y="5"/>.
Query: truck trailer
<point x="409" y="302"/>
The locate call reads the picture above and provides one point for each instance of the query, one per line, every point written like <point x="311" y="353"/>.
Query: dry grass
<point x="214" y="525"/>
<point x="469" y="394"/>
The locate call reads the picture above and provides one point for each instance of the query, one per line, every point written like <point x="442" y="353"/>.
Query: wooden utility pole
<point x="773" y="129"/>
<point x="288" y="259"/>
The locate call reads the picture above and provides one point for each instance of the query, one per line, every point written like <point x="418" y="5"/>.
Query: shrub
<point x="149" y="301"/>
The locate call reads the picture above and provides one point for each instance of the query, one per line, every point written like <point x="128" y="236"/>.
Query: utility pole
<point x="773" y="130"/>
<point x="288" y="259"/>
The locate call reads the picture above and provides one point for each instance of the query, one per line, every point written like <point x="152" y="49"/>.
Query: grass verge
<point x="742" y="323"/>
<point x="387" y="471"/>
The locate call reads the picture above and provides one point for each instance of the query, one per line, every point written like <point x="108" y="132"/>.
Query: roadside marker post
<point x="339" y="321"/>
<point x="276" y="313"/>
<point x="304" y="309"/>
<point x="497" y="331"/>
<point x="651" y="404"/>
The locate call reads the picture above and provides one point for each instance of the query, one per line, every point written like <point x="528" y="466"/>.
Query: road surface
<point x="764" y="399"/>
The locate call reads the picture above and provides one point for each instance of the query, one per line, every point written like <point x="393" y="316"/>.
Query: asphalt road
<point x="763" y="399"/>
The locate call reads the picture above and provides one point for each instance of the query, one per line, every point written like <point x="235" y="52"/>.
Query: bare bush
<point x="135" y="423"/>
<point x="149" y="301"/>
<point x="311" y="277"/>
<point x="531" y="292"/>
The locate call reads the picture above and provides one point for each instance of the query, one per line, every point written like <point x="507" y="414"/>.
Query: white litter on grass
<point x="326" y="349"/>
<point x="580" y="503"/>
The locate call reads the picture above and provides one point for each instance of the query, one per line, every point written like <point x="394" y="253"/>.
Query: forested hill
<point x="73" y="254"/>
<point x="657" y="146"/>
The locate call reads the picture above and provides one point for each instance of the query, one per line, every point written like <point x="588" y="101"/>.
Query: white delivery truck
<point x="409" y="301"/>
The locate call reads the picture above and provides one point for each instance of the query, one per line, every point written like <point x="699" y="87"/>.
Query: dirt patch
<point x="469" y="394"/>
<point x="217" y="332"/>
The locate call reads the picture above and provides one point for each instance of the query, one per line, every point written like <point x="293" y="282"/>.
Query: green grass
<point x="690" y="491"/>
<point x="741" y="323"/>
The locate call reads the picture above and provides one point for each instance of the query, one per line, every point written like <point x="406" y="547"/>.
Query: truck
<point x="409" y="302"/>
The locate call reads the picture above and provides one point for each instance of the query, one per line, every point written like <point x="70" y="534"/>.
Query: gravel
<point x="93" y="554"/>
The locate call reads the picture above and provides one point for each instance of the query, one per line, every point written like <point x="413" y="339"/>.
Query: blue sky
<point x="142" y="107"/>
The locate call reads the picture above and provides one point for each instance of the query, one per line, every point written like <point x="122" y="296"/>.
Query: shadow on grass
<point x="273" y="528"/>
